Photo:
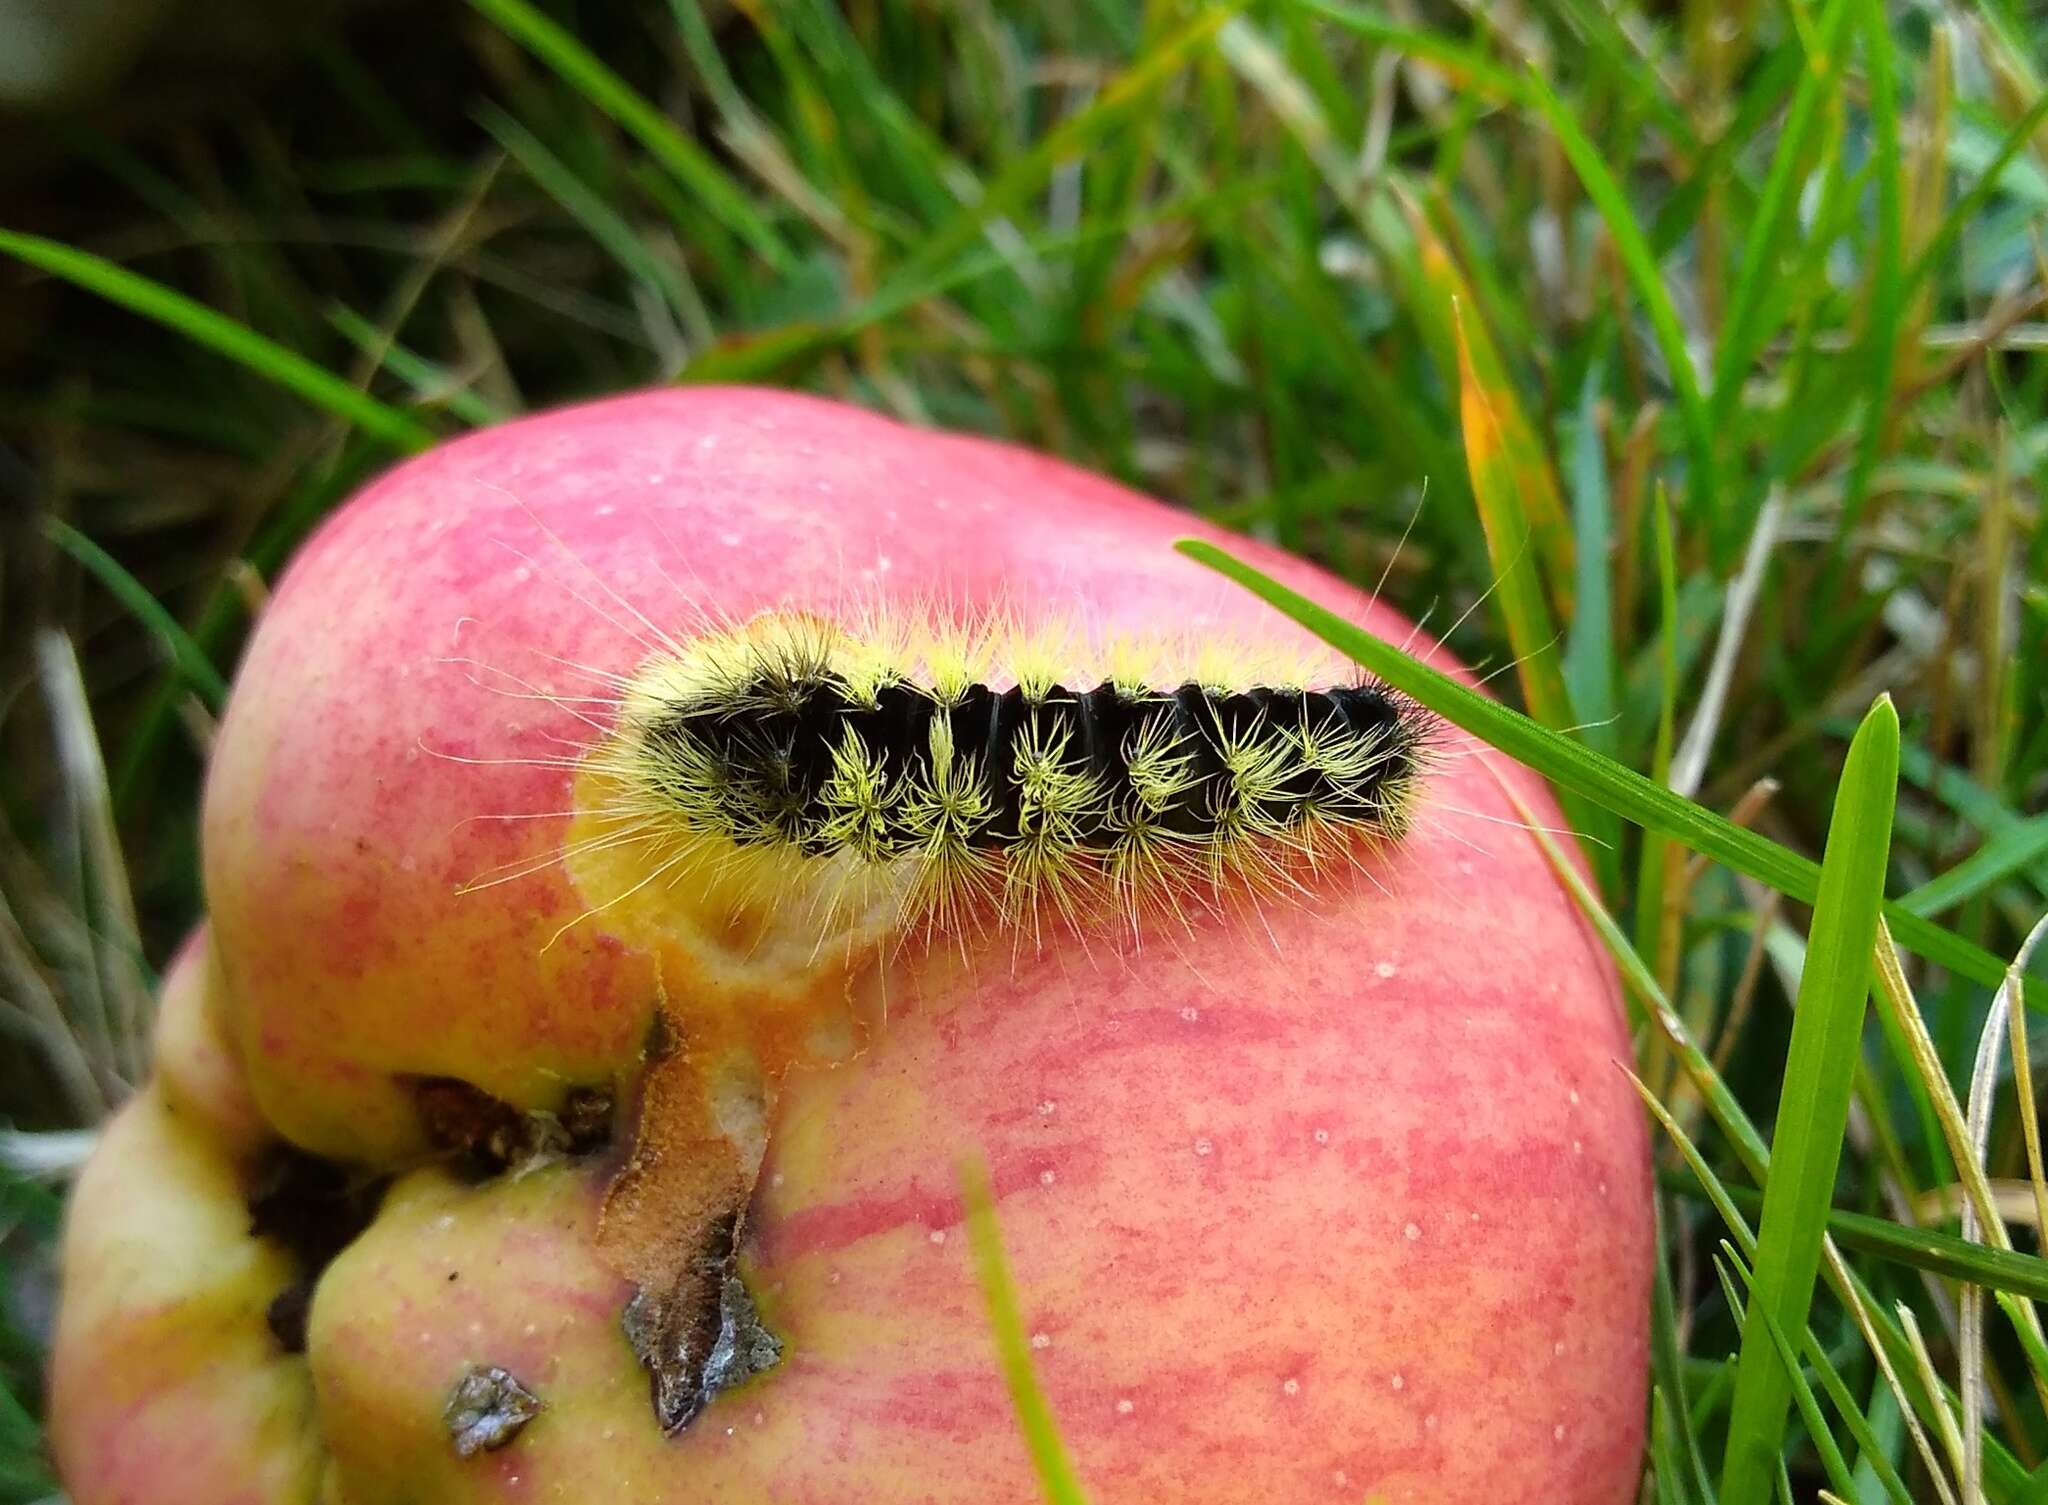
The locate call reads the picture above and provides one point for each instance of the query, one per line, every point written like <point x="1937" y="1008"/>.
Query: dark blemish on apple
<point x="586" y="1118"/>
<point x="662" y="1040"/>
<point x="286" y="1315"/>
<point x="703" y="1335"/>
<point x="314" y="1208"/>
<point x="485" y="1135"/>
<point x="486" y="1410"/>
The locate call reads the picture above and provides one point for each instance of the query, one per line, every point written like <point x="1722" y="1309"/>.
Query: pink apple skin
<point x="1348" y="1202"/>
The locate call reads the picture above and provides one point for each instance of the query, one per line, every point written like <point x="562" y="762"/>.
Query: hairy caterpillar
<point x="975" y="774"/>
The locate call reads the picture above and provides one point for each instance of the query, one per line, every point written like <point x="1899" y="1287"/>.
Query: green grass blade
<point x="1813" y="1108"/>
<point x="1725" y="1200"/>
<point x="432" y="384"/>
<point x="1654" y="861"/>
<point x="1465" y="66"/>
<point x="2031" y="1346"/>
<point x="1926" y="1249"/>
<point x="1008" y="192"/>
<point x="1972" y="802"/>
<point x="185" y="656"/>
<point x="1817" y="1430"/>
<point x="1966" y="210"/>
<point x="692" y="166"/>
<point x="1013" y="1346"/>
<point x="1667" y="1369"/>
<point x="2004" y="854"/>
<point x="1602" y="779"/>
<point x="1750" y="1149"/>
<point x="1589" y="656"/>
<point x="238" y="342"/>
<point x="1644" y="276"/>
<point x="23" y="1473"/>
<point x="1775" y="227"/>
<point x="1881" y="335"/>
<point x="585" y="205"/>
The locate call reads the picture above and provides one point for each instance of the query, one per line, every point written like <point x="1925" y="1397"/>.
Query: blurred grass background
<point x="1687" y="358"/>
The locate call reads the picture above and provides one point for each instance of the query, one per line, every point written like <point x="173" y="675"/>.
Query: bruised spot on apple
<point x="478" y="1169"/>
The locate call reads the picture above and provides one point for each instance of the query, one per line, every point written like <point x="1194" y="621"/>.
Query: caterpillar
<point x="967" y="775"/>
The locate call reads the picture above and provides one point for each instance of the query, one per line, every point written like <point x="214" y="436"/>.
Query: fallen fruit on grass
<point x="482" y="1164"/>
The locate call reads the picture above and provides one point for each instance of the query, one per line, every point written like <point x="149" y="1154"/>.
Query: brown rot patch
<point x="703" y="1334"/>
<point x="674" y="1220"/>
<point x="486" y="1410"/>
<point x="315" y="1209"/>
<point x="486" y="1135"/>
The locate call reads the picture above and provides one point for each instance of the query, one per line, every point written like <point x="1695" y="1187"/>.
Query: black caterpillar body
<point x="777" y="755"/>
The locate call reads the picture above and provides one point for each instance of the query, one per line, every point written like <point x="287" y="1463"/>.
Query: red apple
<point x="1343" y="1198"/>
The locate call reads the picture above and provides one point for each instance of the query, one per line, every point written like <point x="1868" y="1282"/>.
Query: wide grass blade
<point x="1602" y="779"/>
<point x="1524" y="496"/>
<point x="1813" y="1107"/>
<point x="1513" y="507"/>
<point x="238" y="342"/>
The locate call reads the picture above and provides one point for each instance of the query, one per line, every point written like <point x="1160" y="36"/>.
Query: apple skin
<point x="1344" y="1200"/>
